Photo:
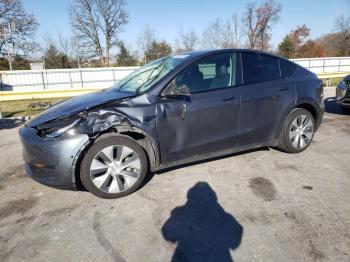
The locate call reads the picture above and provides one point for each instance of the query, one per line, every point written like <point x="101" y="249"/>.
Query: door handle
<point x="184" y="111"/>
<point x="228" y="99"/>
<point x="284" y="89"/>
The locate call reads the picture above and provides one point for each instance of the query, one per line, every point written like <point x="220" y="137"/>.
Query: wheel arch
<point x="305" y="105"/>
<point x="311" y="108"/>
<point x="137" y="134"/>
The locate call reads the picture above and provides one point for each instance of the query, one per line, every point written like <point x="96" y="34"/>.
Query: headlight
<point x="62" y="130"/>
<point x="341" y="90"/>
<point x="57" y="127"/>
<point x="342" y="84"/>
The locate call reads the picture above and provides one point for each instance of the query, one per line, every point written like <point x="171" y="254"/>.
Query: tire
<point x="302" y="134"/>
<point x="113" y="167"/>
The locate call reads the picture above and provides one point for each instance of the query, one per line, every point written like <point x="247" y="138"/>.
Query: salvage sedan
<point x="176" y="110"/>
<point x="343" y="93"/>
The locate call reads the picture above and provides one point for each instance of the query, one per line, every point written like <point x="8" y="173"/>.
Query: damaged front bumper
<point x="51" y="161"/>
<point x="343" y="93"/>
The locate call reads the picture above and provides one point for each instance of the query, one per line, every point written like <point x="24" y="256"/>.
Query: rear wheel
<point x="113" y="167"/>
<point x="297" y="132"/>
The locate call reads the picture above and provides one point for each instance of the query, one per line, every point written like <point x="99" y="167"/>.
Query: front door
<point x="205" y="121"/>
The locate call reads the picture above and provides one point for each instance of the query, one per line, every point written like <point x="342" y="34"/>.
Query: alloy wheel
<point x="115" y="168"/>
<point x="301" y="131"/>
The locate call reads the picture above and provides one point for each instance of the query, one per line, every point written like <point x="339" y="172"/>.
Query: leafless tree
<point x="223" y="34"/>
<point x="189" y="40"/>
<point x="235" y="31"/>
<point x="17" y="28"/>
<point x="214" y="35"/>
<point x="342" y="27"/>
<point x="85" y="20"/>
<point x="114" y="17"/>
<point x="63" y="44"/>
<point x="94" y="19"/>
<point x="145" y="39"/>
<point x="258" y="22"/>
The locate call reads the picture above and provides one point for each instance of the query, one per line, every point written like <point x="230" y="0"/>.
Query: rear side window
<point x="259" y="68"/>
<point x="287" y="68"/>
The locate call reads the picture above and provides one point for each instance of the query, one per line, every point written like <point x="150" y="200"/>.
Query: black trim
<point x="216" y="89"/>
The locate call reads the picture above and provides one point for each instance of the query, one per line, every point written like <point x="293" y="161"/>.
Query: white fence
<point x="36" y="80"/>
<point x="325" y="65"/>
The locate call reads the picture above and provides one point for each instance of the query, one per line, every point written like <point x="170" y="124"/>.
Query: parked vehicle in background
<point x="343" y="93"/>
<point x="176" y="110"/>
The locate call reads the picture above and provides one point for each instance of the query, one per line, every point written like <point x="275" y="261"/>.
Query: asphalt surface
<point x="262" y="205"/>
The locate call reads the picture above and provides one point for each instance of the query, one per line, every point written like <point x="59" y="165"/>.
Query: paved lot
<point x="258" y="206"/>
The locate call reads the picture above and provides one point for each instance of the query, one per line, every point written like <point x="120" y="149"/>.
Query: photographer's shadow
<point x="201" y="228"/>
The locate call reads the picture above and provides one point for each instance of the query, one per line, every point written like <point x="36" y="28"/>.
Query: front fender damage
<point x="126" y="120"/>
<point x="102" y="120"/>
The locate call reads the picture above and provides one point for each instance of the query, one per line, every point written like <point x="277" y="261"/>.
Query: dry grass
<point x="23" y="108"/>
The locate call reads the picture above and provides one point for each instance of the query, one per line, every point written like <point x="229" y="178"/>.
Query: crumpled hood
<point x="76" y="105"/>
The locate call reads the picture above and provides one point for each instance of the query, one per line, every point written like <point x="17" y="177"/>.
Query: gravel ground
<point x="262" y="205"/>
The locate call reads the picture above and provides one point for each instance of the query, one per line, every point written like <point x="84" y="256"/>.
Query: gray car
<point x="176" y="110"/>
<point x="343" y="93"/>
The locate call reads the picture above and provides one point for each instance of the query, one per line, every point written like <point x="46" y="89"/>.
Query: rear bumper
<point x="50" y="161"/>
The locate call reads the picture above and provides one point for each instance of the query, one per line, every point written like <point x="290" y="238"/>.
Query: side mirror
<point x="173" y="91"/>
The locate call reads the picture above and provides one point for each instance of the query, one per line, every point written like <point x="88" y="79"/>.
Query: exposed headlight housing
<point x="341" y="90"/>
<point x="57" y="127"/>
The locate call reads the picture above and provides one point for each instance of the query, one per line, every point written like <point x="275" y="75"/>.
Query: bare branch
<point x="93" y="19"/>
<point x="222" y="34"/>
<point x="146" y="38"/>
<point x="189" y="40"/>
<point x="258" y="22"/>
<point x="22" y="24"/>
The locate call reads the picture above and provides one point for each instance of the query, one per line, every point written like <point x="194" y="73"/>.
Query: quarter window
<point x="259" y="68"/>
<point x="287" y="68"/>
<point x="213" y="72"/>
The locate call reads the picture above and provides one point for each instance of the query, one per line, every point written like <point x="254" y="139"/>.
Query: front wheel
<point x="113" y="167"/>
<point x="297" y="132"/>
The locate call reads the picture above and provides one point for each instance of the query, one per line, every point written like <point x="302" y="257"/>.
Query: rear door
<point x="266" y="96"/>
<point x="206" y="121"/>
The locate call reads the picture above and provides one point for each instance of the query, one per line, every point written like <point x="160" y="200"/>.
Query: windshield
<point x="142" y="79"/>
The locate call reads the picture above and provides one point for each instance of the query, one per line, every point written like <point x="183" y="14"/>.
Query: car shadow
<point x="202" y="229"/>
<point x="168" y="169"/>
<point x="80" y="187"/>
<point x="332" y="107"/>
<point x="9" y="123"/>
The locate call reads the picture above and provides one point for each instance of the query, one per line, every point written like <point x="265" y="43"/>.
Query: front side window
<point x="259" y="68"/>
<point x="212" y="72"/>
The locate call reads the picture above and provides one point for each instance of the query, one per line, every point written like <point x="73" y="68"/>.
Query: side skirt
<point x="208" y="156"/>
